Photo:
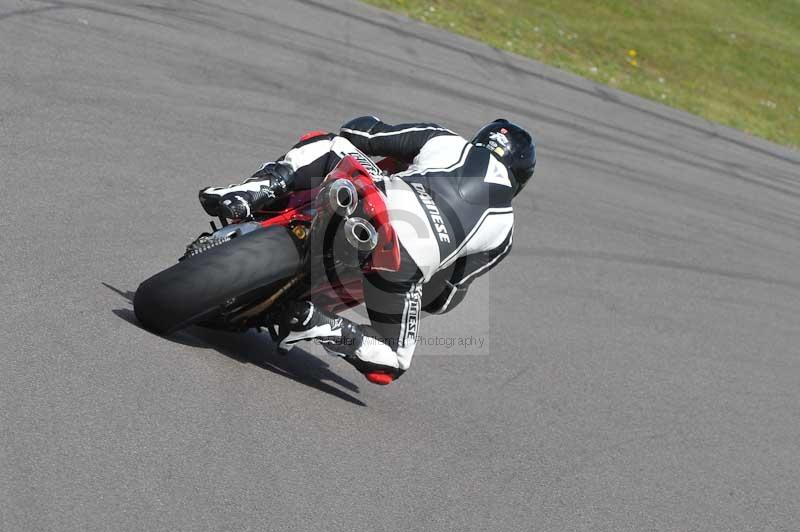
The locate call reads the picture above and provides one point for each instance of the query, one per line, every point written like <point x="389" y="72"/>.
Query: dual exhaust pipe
<point x="342" y="199"/>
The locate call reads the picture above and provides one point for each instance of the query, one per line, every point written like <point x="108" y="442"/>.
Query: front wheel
<point x="227" y="276"/>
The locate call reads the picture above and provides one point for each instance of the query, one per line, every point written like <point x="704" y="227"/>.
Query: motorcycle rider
<point x="459" y="192"/>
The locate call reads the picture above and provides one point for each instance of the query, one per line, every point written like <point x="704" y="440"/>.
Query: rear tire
<point x="198" y="287"/>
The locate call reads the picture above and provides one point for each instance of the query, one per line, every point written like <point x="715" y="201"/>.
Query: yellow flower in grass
<point x="632" y="52"/>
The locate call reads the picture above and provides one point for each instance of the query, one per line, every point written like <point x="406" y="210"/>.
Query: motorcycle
<point x="315" y="245"/>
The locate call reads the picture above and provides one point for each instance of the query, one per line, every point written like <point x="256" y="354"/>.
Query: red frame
<point x="386" y="256"/>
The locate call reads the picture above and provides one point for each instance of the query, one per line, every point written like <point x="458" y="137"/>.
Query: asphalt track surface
<point x="641" y="360"/>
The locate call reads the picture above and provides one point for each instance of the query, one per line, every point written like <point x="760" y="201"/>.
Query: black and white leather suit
<point x="451" y="209"/>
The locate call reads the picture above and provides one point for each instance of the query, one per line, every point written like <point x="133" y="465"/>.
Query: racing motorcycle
<point x="314" y="245"/>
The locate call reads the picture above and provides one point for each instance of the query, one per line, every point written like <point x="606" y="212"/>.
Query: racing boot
<point x="239" y="202"/>
<point x="339" y="336"/>
<point x="301" y="320"/>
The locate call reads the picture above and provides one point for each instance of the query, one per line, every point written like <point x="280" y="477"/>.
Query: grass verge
<point x="736" y="62"/>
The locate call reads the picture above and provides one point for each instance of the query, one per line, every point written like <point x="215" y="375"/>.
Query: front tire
<point x="200" y="286"/>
